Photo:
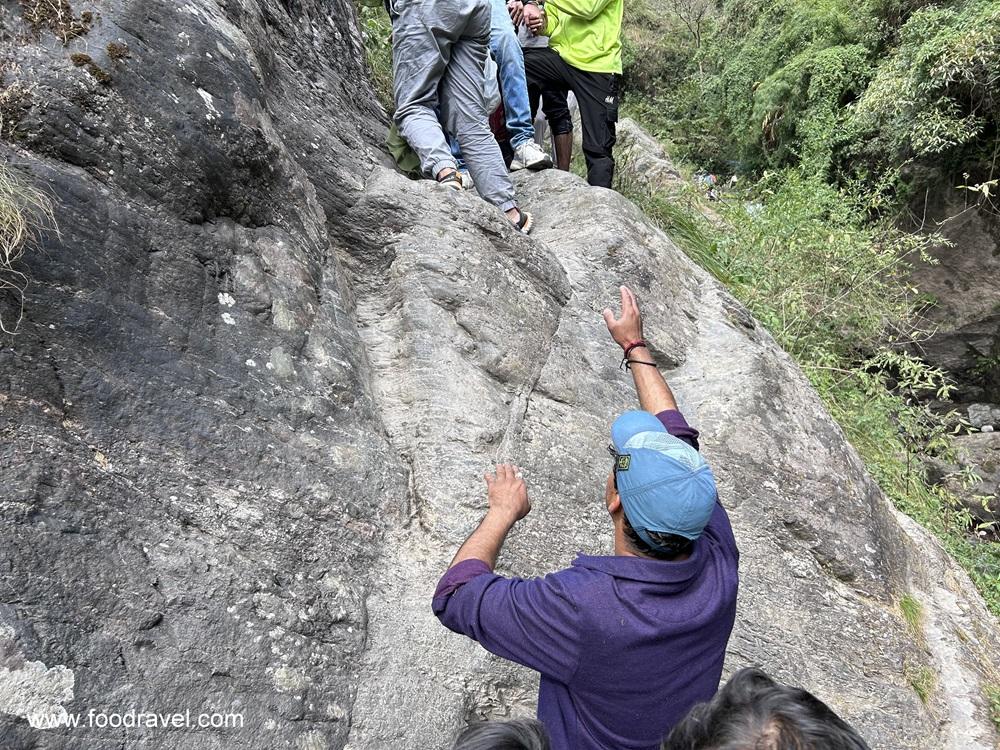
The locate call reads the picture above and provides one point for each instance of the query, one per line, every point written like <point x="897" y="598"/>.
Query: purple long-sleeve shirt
<point x="625" y="645"/>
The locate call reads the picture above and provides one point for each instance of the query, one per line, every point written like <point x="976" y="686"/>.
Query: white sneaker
<point x="529" y="156"/>
<point x="467" y="182"/>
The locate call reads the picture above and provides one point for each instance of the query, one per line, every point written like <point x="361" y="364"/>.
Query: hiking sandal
<point x="453" y="181"/>
<point x="525" y="223"/>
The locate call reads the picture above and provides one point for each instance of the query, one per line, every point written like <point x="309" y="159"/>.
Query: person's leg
<point x="507" y="52"/>
<point x="545" y="70"/>
<point x="534" y="97"/>
<point x="419" y="60"/>
<point x="556" y="110"/>
<point x="463" y="106"/>
<point x="597" y="96"/>
<point x="456" y="150"/>
<point x="563" y="145"/>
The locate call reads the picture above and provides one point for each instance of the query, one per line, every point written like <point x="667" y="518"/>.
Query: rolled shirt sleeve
<point x="677" y="426"/>
<point x="532" y="622"/>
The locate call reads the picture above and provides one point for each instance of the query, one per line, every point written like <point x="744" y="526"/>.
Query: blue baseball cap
<point x="664" y="484"/>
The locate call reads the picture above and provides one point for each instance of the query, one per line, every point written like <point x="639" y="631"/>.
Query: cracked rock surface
<point x="261" y="375"/>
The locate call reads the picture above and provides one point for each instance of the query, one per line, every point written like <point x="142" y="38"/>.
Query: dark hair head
<point x="519" y="734"/>
<point x="753" y="712"/>
<point x="669" y="546"/>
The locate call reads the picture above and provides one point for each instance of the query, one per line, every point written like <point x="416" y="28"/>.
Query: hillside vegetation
<point x="838" y="116"/>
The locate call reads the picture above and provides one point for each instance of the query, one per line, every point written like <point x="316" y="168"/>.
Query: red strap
<point x="634" y="345"/>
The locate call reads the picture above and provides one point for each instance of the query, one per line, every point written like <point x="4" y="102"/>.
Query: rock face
<point x="964" y="281"/>
<point x="261" y="375"/>
<point x="643" y="157"/>
<point x="981" y="451"/>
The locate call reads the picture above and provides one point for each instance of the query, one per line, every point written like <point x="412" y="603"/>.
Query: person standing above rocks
<point x="625" y="644"/>
<point x="506" y="49"/>
<point x="584" y="56"/>
<point x="554" y="102"/>
<point x="439" y="54"/>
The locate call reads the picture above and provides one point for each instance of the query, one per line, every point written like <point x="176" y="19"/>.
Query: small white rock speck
<point x="226" y="299"/>
<point x="228" y="319"/>
<point x="251" y="363"/>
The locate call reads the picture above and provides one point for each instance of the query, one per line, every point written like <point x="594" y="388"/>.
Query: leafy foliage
<point x="848" y="89"/>
<point x="376" y="31"/>
<point x="936" y="98"/>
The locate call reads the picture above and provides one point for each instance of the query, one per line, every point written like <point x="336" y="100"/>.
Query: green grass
<point x="376" y="31"/>
<point x="993" y="696"/>
<point x="913" y="614"/>
<point x="923" y="680"/>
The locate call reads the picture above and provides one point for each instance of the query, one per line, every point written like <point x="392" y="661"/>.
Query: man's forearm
<point x="654" y="393"/>
<point x="485" y="542"/>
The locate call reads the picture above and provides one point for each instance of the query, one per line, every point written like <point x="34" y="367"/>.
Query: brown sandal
<point x="452" y="180"/>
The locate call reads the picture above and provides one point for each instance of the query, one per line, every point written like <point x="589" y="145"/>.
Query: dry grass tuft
<point x="118" y="51"/>
<point x="15" y="98"/>
<point x="24" y="212"/>
<point x="58" y="17"/>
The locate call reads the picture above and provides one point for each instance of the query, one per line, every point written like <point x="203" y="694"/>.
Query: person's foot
<point x="450" y="178"/>
<point x="467" y="182"/>
<point x="522" y="220"/>
<point x="529" y="156"/>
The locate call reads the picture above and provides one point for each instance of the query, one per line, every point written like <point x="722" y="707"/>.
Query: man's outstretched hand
<point x="508" y="494"/>
<point x="626" y="329"/>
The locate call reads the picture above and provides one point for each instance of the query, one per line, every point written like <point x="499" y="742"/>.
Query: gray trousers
<point x="439" y="50"/>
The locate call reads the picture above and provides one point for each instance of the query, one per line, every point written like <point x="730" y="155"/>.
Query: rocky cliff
<point x="261" y="374"/>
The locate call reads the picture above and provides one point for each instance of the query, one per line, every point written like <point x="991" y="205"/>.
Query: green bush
<point x="936" y="98"/>
<point x="849" y="89"/>
<point x="376" y="31"/>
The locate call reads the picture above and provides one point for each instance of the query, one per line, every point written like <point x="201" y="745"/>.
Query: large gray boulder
<point x="260" y="378"/>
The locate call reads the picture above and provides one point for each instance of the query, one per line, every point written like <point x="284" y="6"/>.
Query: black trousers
<point x="553" y="102"/>
<point x="598" y="96"/>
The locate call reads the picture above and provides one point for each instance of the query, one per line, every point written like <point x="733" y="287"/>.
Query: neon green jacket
<point x="586" y="33"/>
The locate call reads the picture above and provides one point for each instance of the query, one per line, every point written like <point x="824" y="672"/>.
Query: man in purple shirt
<point x="625" y="644"/>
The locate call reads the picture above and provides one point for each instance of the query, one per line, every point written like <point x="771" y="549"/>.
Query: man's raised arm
<point x="655" y="395"/>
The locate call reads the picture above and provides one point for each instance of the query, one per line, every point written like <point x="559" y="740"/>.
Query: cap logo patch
<point x="623" y="462"/>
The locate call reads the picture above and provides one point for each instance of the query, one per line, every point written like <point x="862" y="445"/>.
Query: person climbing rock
<point x="754" y="711"/>
<point x="626" y="644"/>
<point x="554" y="102"/>
<point x="439" y="55"/>
<point x="584" y="56"/>
<point x="514" y="89"/>
<point x="506" y="51"/>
